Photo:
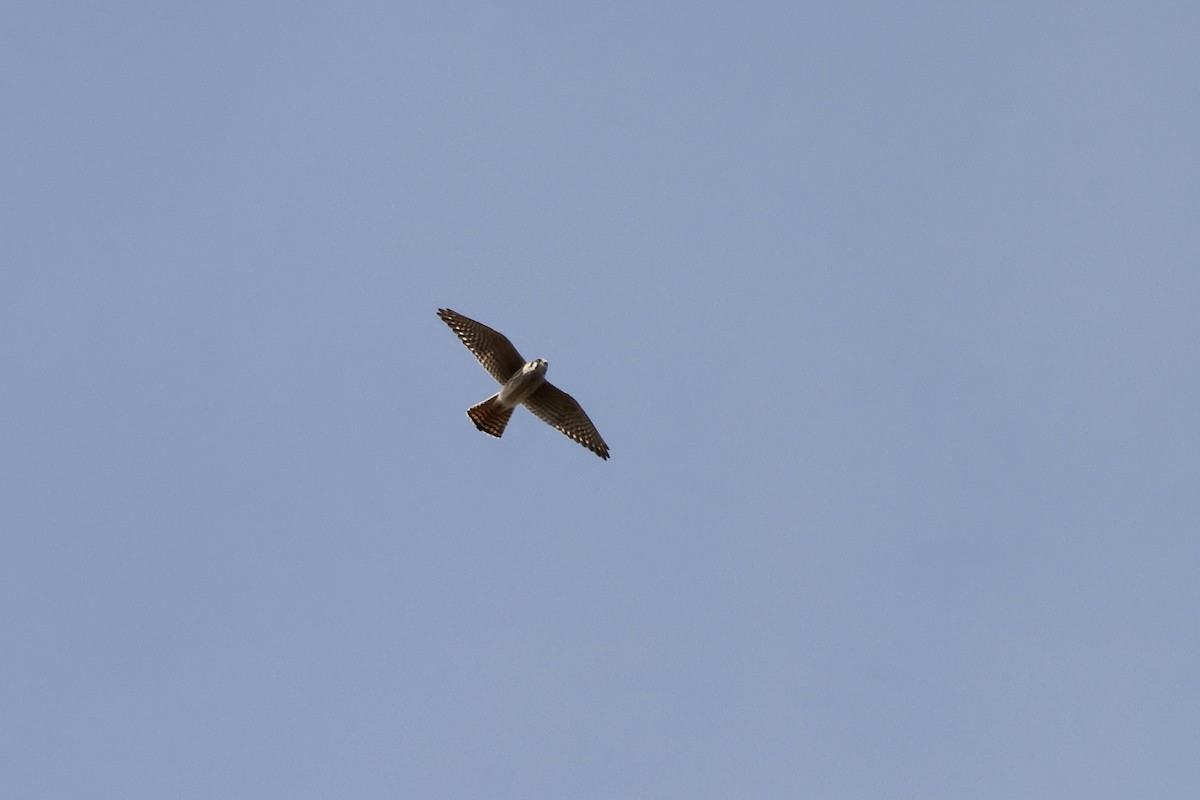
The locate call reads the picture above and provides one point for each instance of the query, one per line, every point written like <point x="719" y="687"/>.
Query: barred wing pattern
<point x="493" y="349"/>
<point x="558" y="409"/>
<point x="549" y="403"/>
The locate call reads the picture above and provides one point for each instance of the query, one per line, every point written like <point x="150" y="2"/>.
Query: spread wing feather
<point x="558" y="409"/>
<point x="493" y="349"/>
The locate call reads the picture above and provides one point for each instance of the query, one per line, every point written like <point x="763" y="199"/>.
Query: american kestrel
<point x="523" y="382"/>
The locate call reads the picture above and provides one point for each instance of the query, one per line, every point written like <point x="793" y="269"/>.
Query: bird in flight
<point x="522" y="382"/>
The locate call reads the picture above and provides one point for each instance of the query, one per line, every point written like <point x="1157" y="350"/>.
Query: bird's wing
<point x="492" y="348"/>
<point x="557" y="408"/>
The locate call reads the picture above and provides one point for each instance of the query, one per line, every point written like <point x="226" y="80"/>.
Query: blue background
<point x="889" y="313"/>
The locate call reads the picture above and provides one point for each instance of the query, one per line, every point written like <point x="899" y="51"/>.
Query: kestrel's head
<point x="537" y="365"/>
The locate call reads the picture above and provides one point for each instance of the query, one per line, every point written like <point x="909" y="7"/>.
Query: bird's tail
<point x="491" y="416"/>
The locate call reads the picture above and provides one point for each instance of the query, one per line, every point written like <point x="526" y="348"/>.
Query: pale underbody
<point x="523" y="384"/>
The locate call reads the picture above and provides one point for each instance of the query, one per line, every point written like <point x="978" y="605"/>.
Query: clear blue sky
<point x="889" y="312"/>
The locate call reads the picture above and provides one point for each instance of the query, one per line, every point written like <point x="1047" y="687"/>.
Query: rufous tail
<point x="490" y="416"/>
